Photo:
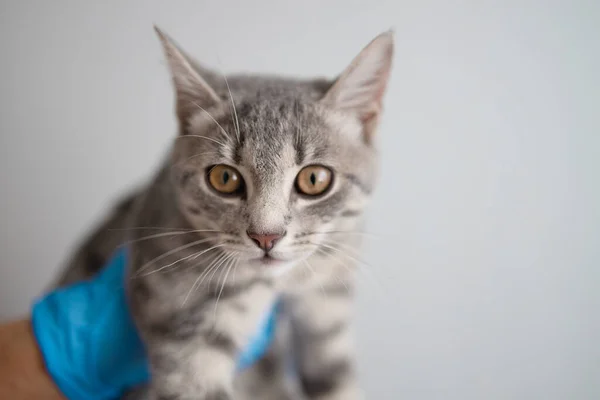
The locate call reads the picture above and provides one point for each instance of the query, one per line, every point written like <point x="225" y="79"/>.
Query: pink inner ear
<point x="369" y="122"/>
<point x="375" y="109"/>
<point x="368" y="117"/>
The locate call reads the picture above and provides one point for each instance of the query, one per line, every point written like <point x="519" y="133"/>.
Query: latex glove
<point x="90" y="344"/>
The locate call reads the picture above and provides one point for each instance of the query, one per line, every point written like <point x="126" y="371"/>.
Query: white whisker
<point x="194" y="256"/>
<point x="213" y="257"/>
<point x="201" y="137"/>
<point x="359" y="263"/>
<point x="330" y="255"/>
<point x="237" y="122"/>
<point x="229" y="266"/>
<point x="223" y="131"/>
<point x="368" y="234"/>
<point x="237" y="263"/>
<point x="149" y="227"/>
<point x="204" y="153"/>
<point x="314" y="275"/>
<point x="168" y="253"/>
<point x="159" y="235"/>
<point x="344" y="246"/>
<point x="342" y="252"/>
<point x="222" y="272"/>
<point x="197" y="281"/>
<point x="210" y="280"/>
<point x="213" y="265"/>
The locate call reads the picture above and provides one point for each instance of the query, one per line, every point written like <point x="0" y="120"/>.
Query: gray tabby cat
<point x="260" y="200"/>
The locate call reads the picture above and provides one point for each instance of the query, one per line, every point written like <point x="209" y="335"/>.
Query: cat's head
<point x="276" y="167"/>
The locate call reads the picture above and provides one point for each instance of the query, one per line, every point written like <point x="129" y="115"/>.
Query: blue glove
<point x="90" y="344"/>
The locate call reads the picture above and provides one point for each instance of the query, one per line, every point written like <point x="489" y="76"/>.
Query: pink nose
<point x="265" y="241"/>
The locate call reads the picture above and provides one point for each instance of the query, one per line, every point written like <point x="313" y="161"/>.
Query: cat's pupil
<point x="313" y="178"/>
<point x="225" y="177"/>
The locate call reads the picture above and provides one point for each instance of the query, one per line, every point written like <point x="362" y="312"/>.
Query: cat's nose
<point x="265" y="241"/>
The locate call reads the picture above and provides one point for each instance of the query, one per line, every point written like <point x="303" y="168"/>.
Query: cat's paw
<point x="212" y="395"/>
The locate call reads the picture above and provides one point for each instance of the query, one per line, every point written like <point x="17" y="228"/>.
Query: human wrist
<point x="22" y="371"/>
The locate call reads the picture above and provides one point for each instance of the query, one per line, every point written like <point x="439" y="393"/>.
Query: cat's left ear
<point x="191" y="89"/>
<point x="359" y="90"/>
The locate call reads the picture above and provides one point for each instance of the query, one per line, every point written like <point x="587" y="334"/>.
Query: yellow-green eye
<point x="314" y="180"/>
<point x="225" y="179"/>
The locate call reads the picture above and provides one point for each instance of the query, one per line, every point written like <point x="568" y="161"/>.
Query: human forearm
<point x="22" y="372"/>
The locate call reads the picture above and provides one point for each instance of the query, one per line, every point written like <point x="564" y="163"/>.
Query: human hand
<point x="90" y="344"/>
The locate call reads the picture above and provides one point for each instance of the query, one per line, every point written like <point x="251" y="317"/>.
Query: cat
<point x="260" y="201"/>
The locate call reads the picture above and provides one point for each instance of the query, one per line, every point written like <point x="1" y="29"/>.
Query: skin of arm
<point x="23" y="375"/>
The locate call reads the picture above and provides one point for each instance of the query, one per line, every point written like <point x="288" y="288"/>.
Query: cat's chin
<point x="281" y="268"/>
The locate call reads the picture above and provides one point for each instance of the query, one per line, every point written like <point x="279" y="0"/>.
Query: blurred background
<point x="483" y="277"/>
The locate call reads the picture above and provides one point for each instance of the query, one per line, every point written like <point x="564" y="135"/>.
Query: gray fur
<point x="197" y="286"/>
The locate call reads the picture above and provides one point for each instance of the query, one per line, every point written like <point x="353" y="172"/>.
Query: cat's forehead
<point x="275" y="132"/>
<point x="266" y="116"/>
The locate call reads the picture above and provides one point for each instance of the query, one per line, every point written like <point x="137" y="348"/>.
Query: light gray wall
<point x="483" y="281"/>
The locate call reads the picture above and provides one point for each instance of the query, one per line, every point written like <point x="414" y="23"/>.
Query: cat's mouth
<point x="269" y="260"/>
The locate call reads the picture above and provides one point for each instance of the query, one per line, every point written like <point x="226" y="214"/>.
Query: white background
<point x="483" y="280"/>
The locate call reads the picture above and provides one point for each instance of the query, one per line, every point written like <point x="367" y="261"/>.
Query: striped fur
<point x="197" y="284"/>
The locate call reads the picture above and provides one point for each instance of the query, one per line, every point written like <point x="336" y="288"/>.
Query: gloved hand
<point x="90" y="344"/>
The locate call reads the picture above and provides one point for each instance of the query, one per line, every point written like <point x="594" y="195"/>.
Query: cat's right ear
<point x="191" y="90"/>
<point x="359" y="90"/>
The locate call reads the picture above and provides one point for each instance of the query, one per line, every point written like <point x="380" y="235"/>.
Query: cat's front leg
<point x="193" y="353"/>
<point x="324" y="343"/>
<point x="201" y="369"/>
<point x="194" y="349"/>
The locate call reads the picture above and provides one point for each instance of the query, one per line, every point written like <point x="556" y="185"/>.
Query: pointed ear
<point x="360" y="88"/>
<point x="191" y="90"/>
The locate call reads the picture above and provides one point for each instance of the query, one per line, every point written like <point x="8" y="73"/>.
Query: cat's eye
<point x="225" y="179"/>
<point x="314" y="180"/>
